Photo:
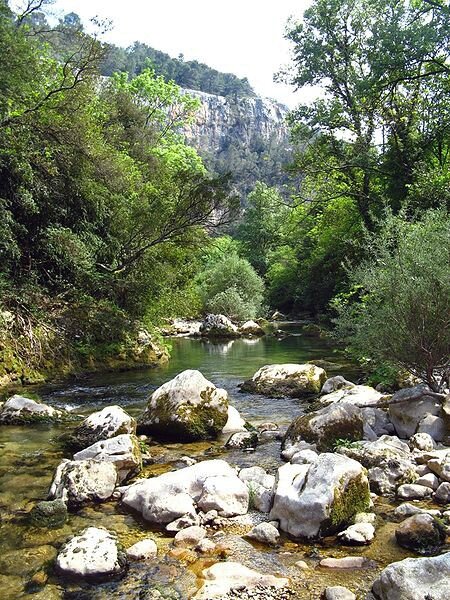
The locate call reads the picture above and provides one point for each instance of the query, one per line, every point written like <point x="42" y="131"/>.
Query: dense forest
<point x="110" y="222"/>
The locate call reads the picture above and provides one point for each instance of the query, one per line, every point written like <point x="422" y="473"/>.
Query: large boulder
<point x="101" y="425"/>
<point x="93" y="554"/>
<point x="325" y="426"/>
<point x="234" y="421"/>
<point x="312" y="500"/>
<point x="414" y="579"/>
<point x="123" y="451"/>
<point x="186" y="408"/>
<point x="83" y="481"/>
<point x="208" y="485"/>
<point x="286" y="380"/>
<point x="19" y="410"/>
<point x="223" y="577"/>
<point x="218" y="326"/>
<point x="421" y="533"/>
<point x="252" y="329"/>
<point x="408" y="407"/>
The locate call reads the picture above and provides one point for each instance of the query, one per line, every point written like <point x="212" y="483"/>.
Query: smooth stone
<point x="435" y="427"/>
<point x="304" y="457"/>
<point x="234" y="421"/>
<point x="338" y="592"/>
<point x="442" y="494"/>
<point x="143" y="550"/>
<point x="265" y="533"/>
<point x="335" y="383"/>
<point x="420" y="533"/>
<point x="358" y="534"/>
<point x="301" y="565"/>
<point x="347" y="562"/>
<point x="430" y="480"/>
<point x="189" y="537"/>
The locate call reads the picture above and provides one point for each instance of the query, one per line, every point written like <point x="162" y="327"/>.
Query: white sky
<point x="244" y="37"/>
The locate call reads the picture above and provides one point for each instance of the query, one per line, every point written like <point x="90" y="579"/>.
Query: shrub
<point x="402" y="316"/>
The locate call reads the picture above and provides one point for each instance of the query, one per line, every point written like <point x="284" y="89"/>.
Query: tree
<point x="402" y="315"/>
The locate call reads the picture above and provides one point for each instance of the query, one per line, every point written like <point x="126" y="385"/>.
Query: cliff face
<point x="224" y="120"/>
<point x="245" y="136"/>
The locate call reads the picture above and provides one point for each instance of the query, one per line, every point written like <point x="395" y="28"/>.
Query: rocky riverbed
<point x="329" y="497"/>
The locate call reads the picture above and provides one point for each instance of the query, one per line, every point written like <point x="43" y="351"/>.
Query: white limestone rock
<point x="414" y="579"/>
<point x="361" y="396"/>
<point x="234" y="422"/>
<point x="19" y="410"/>
<point x="310" y="497"/>
<point x="409" y="406"/>
<point x="82" y="482"/>
<point x="123" y="451"/>
<point x="358" y="534"/>
<point x="101" y="425"/>
<point x="218" y="326"/>
<point x="172" y="495"/>
<point x="223" y="577"/>
<point x="94" y="553"/>
<point x="286" y="380"/>
<point x="422" y="441"/>
<point x="189" y="537"/>
<point x="187" y="408"/>
<point x="411" y="491"/>
<point x="265" y="533"/>
<point x="143" y="550"/>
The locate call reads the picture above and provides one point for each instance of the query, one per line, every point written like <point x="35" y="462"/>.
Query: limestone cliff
<point x="222" y="119"/>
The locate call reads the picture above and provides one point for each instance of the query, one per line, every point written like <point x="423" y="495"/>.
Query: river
<point x="29" y="456"/>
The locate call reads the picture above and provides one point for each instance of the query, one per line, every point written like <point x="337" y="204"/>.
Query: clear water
<point x="29" y="456"/>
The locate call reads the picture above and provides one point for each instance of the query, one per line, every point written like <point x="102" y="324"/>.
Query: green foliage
<point x="231" y="286"/>
<point x="402" y="316"/>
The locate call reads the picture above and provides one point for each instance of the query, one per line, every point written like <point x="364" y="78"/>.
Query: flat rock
<point x="347" y="562"/>
<point x="223" y="577"/>
<point x="358" y="395"/>
<point x="412" y="491"/>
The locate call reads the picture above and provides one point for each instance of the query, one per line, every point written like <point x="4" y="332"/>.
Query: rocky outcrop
<point x="19" y="410"/>
<point x="218" y="326"/>
<point x="414" y="579"/>
<point x="188" y="407"/>
<point x="102" y="425"/>
<point x="314" y="500"/>
<point x="93" y="554"/>
<point x="82" y="482"/>
<point x="123" y="451"/>
<point x="325" y="426"/>
<point x="208" y="485"/>
<point x="286" y="380"/>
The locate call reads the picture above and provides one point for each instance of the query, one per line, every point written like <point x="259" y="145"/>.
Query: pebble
<point x="301" y="564"/>
<point x="347" y="562"/>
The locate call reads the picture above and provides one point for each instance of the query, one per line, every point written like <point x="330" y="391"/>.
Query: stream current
<point x="29" y="456"/>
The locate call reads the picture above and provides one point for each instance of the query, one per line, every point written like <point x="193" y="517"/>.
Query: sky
<point x="244" y="37"/>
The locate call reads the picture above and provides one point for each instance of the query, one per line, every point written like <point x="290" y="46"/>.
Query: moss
<point x="355" y="498"/>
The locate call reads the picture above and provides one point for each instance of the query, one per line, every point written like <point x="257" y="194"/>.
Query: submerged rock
<point x="82" y="482"/>
<point x="19" y="410"/>
<point x="325" y="426"/>
<point x="186" y="408"/>
<point x="414" y="579"/>
<point x="314" y="500"/>
<point x="94" y="553"/>
<point x="286" y="380"/>
<point x="51" y="514"/>
<point x="211" y="484"/>
<point x="123" y="451"/>
<point x="102" y="425"/>
<point x="218" y="326"/>
<point x="223" y="577"/>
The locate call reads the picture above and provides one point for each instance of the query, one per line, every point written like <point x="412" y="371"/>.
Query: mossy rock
<point x="326" y="426"/>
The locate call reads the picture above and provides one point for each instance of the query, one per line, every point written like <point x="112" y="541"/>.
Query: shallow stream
<point x="29" y="456"/>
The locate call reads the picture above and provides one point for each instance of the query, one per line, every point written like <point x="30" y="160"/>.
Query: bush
<point x="232" y="287"/>
<point x="402" y="316"/>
